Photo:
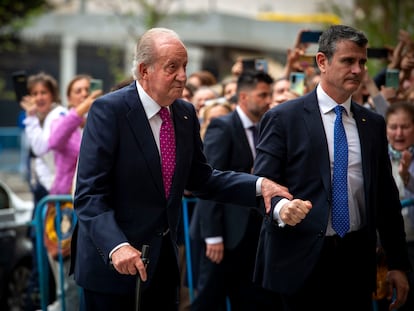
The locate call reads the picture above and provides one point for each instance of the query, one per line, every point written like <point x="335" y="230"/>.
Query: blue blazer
<point x="293" y="151"/>
<point x="120" y="194"/>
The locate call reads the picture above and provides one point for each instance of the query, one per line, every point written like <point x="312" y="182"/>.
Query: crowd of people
<point x="54" y="132"/>
<point x="258" y="155"/>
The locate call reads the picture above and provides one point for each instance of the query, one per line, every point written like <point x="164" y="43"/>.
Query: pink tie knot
<point x="164" y="114"/>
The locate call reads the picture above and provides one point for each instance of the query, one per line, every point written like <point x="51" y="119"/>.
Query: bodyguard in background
<point x="314" y="259"/>
<point x="227" y="235"/>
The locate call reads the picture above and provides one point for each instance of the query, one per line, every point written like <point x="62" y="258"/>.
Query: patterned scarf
<point x="395" y="155"/>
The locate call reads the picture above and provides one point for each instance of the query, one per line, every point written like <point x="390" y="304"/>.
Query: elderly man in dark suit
<point x="319" y="251"/>
<point x="141" y="148"/>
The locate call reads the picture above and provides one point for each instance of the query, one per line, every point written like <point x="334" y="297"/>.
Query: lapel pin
<point x="363" y="119"/>
<point x="185" y="117"/>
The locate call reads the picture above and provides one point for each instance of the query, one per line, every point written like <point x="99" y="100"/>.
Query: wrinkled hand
<point x="294" y="211"/>
<point x="271" y="189"/>
<point x="397" y="280"/>
<point x="127" y="260"/>
<point x="215" y="252"/>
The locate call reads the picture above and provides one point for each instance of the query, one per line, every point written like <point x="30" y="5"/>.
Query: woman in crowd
<point x="215" y="109"/>
<point x="66" y="132"/>
<point x="400" y="133"/>
<point x="64" y="141"/>
<point x="54" y="136"/>
<point x="41" y="107"/>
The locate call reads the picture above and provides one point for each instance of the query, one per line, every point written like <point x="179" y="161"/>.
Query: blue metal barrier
<point x="187" y="242"/>
<point x="407" y="202"/>
<point x="42" y="259"/>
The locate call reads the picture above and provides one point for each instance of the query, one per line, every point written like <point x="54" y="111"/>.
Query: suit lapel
<point x="361" y="120"/>
<point x="317" y="136"/>
<point x="143" y="135"/>
<point x="240" y="132"/>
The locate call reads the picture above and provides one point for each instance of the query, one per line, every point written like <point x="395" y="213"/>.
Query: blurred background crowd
<point x="67" y="53"/>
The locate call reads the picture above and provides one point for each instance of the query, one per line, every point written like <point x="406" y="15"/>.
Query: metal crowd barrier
<point x="41" y="253"/>
<point x="187" y="243"/>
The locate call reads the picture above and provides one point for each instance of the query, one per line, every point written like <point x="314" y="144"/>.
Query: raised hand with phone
<point x="300" y="58"/>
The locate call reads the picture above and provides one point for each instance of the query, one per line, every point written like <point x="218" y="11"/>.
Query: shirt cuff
<point x="276" y="212"/>
<point x="259" y="186"/>
<point x="214" y="240"/>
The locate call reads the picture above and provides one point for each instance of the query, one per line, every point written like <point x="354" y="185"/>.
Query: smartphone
<point x="297" y="82"/>
<point x="96" y="84"/>
<point x="307" y="60"/>
<point x="20" y="84"/>
<point x="255" y="64"/>
<point x="311" y="36"/>
<point x="377" y="52"/>
<point x="261" y="65"/>
<point x="392" y="78"/>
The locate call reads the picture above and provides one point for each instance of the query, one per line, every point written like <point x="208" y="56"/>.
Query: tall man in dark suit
<point x="124" y="199"/>
<point x="301" y="255"/>
<point x="228" y="236"/>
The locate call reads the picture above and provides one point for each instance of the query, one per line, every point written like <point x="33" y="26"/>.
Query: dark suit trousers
<point x="233" y="277"/>
<point x="339" y="281"/>
<point x="161" y="294"/>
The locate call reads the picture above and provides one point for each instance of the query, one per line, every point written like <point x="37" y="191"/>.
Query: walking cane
<point x="144" y="258"/>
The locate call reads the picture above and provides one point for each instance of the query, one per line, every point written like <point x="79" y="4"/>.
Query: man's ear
<point x="143" y="70"/>
<point x="321" y="61"/>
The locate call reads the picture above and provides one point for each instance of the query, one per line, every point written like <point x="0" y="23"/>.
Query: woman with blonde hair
<point x="213" y="110"/>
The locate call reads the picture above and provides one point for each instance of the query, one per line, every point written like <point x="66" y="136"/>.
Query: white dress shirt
<point x="356" y="195"/>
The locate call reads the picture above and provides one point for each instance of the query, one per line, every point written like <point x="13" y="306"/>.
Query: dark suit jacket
<point x="120" y="194"/>
<point x="293" y="151"/>
<point x="226" y="148"/>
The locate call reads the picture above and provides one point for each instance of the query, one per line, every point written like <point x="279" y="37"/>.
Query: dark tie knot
<point x="254" y="130"/>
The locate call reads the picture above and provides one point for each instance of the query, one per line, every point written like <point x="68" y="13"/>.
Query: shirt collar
<point x="327" y="104"/>
<point x="247" y="123"/>
<point x="150" y="106"/>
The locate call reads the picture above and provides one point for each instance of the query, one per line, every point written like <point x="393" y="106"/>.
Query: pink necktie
<point x="167" y="148"/>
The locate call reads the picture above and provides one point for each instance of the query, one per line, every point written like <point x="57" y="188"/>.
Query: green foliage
<point x="154" y="11"/>
<point x="14" y="12"/>
<point x="114" y="57"/>
<point x="14" y="16"/>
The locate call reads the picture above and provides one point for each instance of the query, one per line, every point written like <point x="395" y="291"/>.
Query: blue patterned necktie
<point x="340" y="213"/>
